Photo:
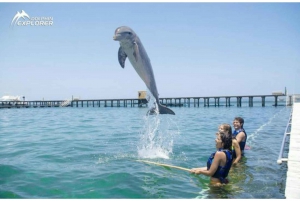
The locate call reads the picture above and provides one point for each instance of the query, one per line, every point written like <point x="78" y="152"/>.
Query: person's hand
<point x="235" y="164"/>
<point x="195" y="171"/>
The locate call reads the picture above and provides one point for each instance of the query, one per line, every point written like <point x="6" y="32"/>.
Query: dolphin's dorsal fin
<point x="122" y="57"/>
<point x="136" y="51"/>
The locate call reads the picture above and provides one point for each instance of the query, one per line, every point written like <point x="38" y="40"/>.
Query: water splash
<point x="157" y="135"/>
<point x="152" y="105"/>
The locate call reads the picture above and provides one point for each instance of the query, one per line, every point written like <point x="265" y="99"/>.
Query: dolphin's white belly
<point x="142" y="65"/>
<point x="139" y="66"/>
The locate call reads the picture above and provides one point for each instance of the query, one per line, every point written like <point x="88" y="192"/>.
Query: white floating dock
<point x="292" y="189"/>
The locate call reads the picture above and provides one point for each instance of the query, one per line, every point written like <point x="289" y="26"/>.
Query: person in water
<point x="239" y="133"/>
<point x="219" y="163"/>
<point x="236" y="151"/>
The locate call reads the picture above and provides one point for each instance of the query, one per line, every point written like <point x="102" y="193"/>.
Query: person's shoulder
<point x="235" y="144"/>
<point x="242" y="132"/>
<point x="234" y="141"/>
<point x="219" y="154"/>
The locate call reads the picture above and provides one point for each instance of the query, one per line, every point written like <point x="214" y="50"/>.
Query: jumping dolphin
<point x="131" y="47"/>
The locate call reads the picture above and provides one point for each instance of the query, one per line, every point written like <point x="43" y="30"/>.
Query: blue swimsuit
<point x="222" y="171"/>
<point x="242" y="144"/>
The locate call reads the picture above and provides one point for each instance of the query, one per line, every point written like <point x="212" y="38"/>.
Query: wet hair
<point x="227" y="128"/>
<point x="226" y="139"/>
<point x="241" y="120"/>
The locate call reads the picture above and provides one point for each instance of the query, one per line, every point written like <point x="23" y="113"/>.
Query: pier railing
<point x="286" y="133"/>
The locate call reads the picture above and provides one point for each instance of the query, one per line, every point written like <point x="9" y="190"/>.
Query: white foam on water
<point x="157" y="134"/>
<point x="105" y="158"/>
<point x="253" y="135"/>
<point x="154" y="152"/>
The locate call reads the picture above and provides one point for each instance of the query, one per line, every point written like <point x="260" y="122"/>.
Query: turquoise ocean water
<point x="91" y="152"/>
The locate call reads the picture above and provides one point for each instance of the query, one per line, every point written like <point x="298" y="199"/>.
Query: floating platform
<point x="293" y="173"/>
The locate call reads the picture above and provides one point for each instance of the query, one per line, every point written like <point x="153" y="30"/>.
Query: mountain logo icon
<point x="19" y="15"/>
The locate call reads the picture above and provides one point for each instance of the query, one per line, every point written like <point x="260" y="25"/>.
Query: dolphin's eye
<point x="129" y="33"/>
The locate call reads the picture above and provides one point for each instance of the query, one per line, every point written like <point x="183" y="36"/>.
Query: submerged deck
<point x="292" y="190"/>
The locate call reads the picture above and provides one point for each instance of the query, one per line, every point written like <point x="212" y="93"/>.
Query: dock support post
<point x="276" y="100"/>
<point x="250" y="101"/>
<point x="290" y="101"/>
<point x="228" y="101"/>
<point x="239" y="101"/>
<point x="217" y="101"/>
<point x="263" y="101"/>
<point x="206" y="102"/>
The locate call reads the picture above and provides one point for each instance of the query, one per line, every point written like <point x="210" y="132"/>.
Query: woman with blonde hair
<point x="236" y="151"/>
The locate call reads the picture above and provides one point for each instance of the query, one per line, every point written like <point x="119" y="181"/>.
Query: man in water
<point x="239" y="132"/>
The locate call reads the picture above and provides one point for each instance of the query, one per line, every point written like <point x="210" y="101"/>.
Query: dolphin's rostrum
<point x="131" y="47"/>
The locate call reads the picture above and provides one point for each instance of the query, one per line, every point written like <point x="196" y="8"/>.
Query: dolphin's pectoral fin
<point x="122" y="57"/>
<point x="136" y="51"/>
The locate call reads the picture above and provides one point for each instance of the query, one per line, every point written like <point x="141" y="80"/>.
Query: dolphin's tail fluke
<point x="164" y="110"/>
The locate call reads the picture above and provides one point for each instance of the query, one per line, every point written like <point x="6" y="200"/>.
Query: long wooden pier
<point x="171" y="102"/>
<point x="293" y="162"/>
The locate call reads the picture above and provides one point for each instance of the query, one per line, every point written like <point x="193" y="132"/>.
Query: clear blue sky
<point x="196" y="49"/>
